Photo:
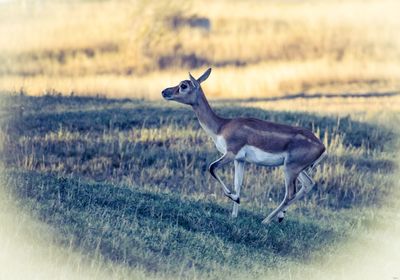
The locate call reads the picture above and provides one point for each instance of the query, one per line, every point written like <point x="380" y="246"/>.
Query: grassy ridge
<point x="162" y="232"/>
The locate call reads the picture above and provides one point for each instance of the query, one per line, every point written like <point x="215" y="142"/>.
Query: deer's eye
<point x="183" y="86"/>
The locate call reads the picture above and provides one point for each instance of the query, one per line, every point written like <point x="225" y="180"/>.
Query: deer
<point x="254" y="141"/>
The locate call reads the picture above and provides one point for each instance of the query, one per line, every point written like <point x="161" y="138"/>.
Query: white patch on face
<point x="219" y="140"/>
<point x="255" y="155"/>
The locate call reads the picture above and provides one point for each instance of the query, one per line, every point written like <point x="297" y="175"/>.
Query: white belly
<point x="255" y="155"/>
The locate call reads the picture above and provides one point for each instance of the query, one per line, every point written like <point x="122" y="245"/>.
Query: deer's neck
<point x="208" y="119"/>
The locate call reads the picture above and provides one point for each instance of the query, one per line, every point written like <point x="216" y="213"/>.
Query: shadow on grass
<point x="303" y="95"/>
<point x="160" y="231"/>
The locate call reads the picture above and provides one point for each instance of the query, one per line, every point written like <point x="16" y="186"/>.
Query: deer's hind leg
<point x="291" y="175"/>
<point x="307" y="183"/>
<point x="305" y="179"/>
<point x="295" y="165"/>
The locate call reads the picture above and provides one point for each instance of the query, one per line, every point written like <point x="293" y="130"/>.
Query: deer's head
<point x="187" y="91"/>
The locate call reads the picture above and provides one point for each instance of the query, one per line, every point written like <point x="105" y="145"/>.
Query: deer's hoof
<point x="234" y="197"/>
<point x="237" y="200"/>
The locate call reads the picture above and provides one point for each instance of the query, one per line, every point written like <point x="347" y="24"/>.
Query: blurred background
<point x="257" y="48"/>
<point x="102" y="179"/>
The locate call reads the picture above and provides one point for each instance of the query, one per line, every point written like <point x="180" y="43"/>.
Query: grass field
<point x="101" y="179"/>
<point x="130" y="186"/>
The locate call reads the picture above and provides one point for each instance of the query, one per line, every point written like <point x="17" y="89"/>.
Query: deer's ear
<point x="204" y="76"/>
<point x="195" y="83"/>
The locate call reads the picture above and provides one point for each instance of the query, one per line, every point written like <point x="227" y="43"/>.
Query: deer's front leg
<point x="239" y="171"/>
<point x="225" y="159"/>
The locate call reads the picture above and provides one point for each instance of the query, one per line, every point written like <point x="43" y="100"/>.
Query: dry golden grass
<point x="258" y="49"/>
